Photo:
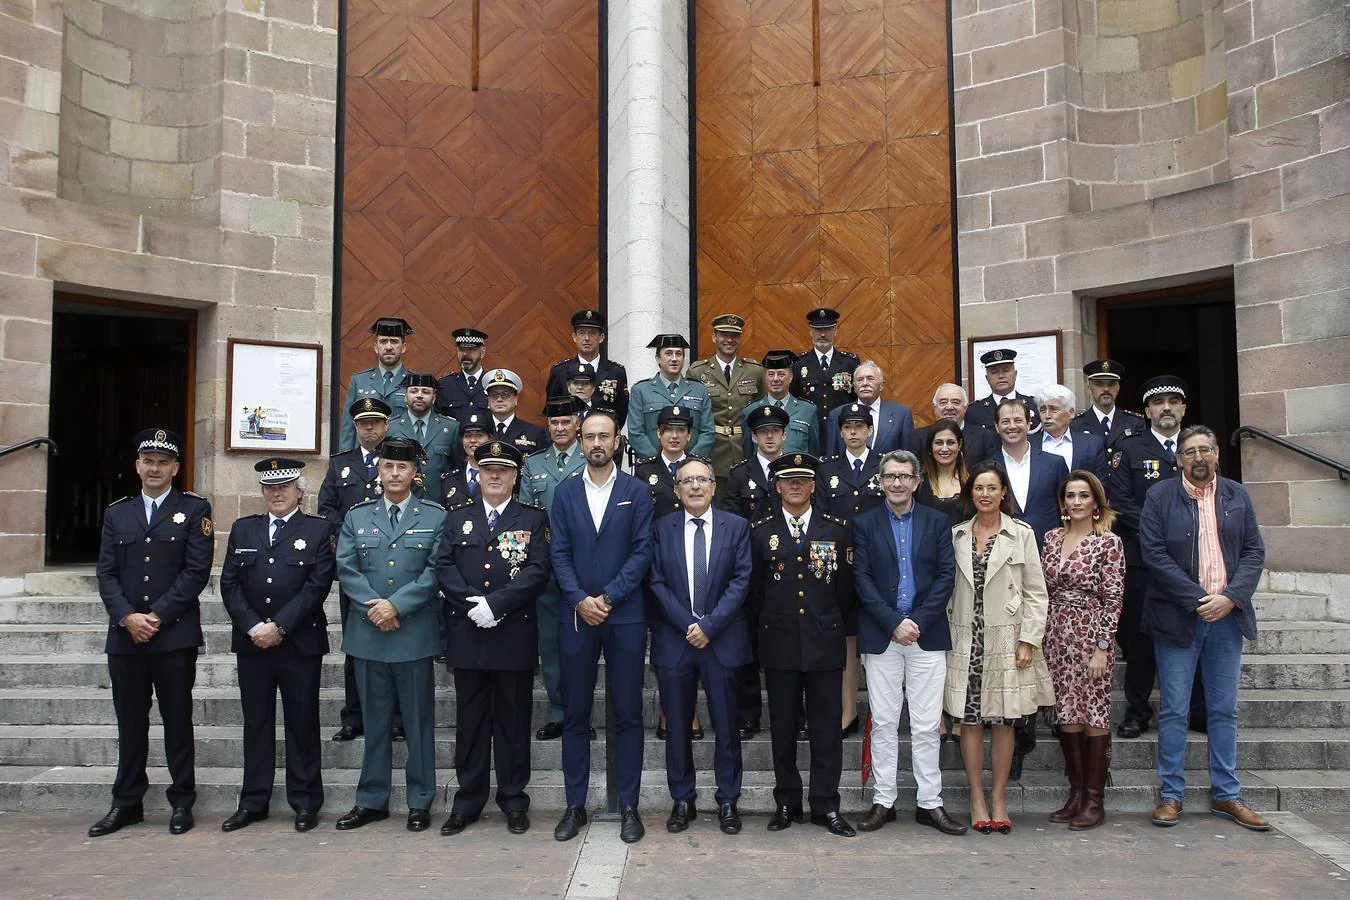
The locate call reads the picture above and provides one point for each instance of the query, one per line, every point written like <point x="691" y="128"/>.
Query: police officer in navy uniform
<point x="849" y="483"/>
<point x="492" y="566"/>
<point x="673" y="430"/>
<point x="459" y="392"/>
<point x="750" y="492"/>
<point x="823" y="375"/>
<point x="1000" y="372"/>
<point x="1104" y="418"/>
<point x="382" y="382"/>
<point x="154" y="561"/>
<point x="611" y="378"/>
<point x="460" y="484"/>
<point x="503" y="394"/>
<point x="277" y="573"/>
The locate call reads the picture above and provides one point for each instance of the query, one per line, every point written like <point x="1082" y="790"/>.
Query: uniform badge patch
<point x="179" y="518"/>
<point x="773" y="542"/>
<point x="207" y="528"/>
<point x="468" y="527"/>
<point x="653" y="480"/>
<point x="300" y="544"/>
<point x="346" y="470"/>
<point x="1115" y="459"/>
<point x="834" y="482"/>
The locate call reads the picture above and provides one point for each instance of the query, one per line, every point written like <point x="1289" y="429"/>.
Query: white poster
<point x="1037" y="362"/>
<point x="274" y="397"/>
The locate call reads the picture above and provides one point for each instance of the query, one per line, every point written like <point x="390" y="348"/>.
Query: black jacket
<point x="800" y="599"/>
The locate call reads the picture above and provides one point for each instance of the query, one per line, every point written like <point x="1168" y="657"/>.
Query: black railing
<point x="1342" y="470"/>
<point x="31" y="442"/>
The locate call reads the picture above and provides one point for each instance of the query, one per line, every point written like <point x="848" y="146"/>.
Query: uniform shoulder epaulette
<point x="460" y="504"/>
<point x="830" y="458"/>
<point x="762" y="521"/>
<point x="529" y="505"/>
<point x="364" y="503"/>
<point x="119" y="500"/>
<point x="191" y="494"/>
<point x="844" y="352"/>
<point x="432" y="503"/>
<point x="740" y="465"/>
<point x="363" y="371"/>
<point x="835" y="519"/>
<point x="644" y="461"/>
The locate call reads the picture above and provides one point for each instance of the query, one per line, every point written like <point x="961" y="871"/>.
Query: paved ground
<point x="48" y="855"/>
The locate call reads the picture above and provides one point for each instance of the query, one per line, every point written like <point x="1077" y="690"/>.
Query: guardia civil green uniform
<point x="376" y="383"/>
<point x="650" y="396"/>
<point x="728" y="398"/>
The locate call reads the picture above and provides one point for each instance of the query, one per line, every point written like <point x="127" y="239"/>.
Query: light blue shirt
<point x="902" y="532"/>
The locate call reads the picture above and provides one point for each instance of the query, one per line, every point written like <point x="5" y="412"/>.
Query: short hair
<point x="1106" y="515"/>
<point x="1011" y="401"/>
<point x="691" y="458"/>
<point x="902" y="457"/>
<point x="869" y="364"/>
<point x="968" y="489"/>
<point x="602" y="411"/>
<point x="1057" y="392"/>
<point x="1191" y="431"/>
<point x="965" y="398"/>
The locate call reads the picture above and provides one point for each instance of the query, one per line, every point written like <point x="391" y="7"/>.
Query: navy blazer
<point x="1089" y="452"/>
<point x="895" y="431"/>
<point x="1048" y="472"/>
<point x="876" y="575"/>
<point x="1169" y="531"/>
<point x="729" y="565"/>
<point x="612" y="561"/>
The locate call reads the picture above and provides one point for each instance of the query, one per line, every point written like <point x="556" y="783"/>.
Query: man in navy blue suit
<point x="601" y="548"/>
<point x="1057" y="406"/>
<point x="699" y="577"/>
<point x="904" y="570"/>
<point x="893" y="423"/>
<point x="1035" y="475"/>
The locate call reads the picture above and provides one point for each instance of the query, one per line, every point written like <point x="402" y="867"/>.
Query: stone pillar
<point x="648" y="169"/>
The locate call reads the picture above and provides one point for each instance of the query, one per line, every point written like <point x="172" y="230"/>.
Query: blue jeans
<point x="1218" y="649"/>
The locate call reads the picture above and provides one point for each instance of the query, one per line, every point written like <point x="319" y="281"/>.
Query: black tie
<point x="154" y="508"/>
<point x="673" y="466"/>
<point x="1167" y="446"/>
<point x="1106" y="424"/>
<point x="492" y="519"/>
<point x="501" y="429"/>
<point x="471" y="381"/>
<point x="277" y="525"/>
<point x="562" y="460"/>
<point x="727" y="370"/>
<point x="824" y="363"/>
<point x="393" y="516"/>
<point x="857" y="471"/>
<point x="700" y="569"/>
<point x="473" y="482"/>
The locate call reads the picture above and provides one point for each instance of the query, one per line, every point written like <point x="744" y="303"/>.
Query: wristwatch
<point x="1103" y="645"/>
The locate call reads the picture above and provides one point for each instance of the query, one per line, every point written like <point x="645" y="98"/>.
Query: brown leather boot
<point x="1096" y="759"/>
<point x="1072" y="745"/>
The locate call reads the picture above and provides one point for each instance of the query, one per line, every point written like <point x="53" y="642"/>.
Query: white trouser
<point x="892" y="677"/>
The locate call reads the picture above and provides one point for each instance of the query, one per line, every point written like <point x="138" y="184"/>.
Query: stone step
<point x="54" y="611"/>
<point x="219" y="745"/>
<point x="1132" y="791"/>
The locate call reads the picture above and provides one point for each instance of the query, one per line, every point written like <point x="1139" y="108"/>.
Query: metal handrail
<point x="1342" y="470"/>
<point x="31" y="442"/>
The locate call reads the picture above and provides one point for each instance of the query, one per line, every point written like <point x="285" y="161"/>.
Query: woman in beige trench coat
<point x="996" y="673"/>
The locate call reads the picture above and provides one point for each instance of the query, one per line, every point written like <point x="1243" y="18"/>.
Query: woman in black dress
<point x="943" y="471"/>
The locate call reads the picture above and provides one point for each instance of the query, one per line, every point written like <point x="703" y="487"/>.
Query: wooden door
<point x="822" y="178"/>
<point x="470" y="190"/>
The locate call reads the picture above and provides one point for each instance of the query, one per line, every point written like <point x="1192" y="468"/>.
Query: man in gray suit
<point x="385" y="565"/>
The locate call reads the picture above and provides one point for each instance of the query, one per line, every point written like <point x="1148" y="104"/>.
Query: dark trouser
<point x="261" y="675"/>
<point x="1140" y="663"/>
<point x="624" y="647"/>
<point x="547" y="607"/>
<point x="749" y="697"/>
<point x="824" y="709"/>
<point x="492" y="709"/>
<point x="386" y="686"/>
<point x="679" y="690"/>
<point x="351" y="704"/>
<point x="170" y="677"/>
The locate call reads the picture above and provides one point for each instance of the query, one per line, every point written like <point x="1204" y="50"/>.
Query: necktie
<point x="778" y="403"/>
<point x="672" y="467"/>
<point x="471" y="381"/>
<point x="824" y="362"/>
<point x="501" y="429"/>
<point x="700" y="569"/>
<point x="492" y="519"/>
<point x="420" y="429"/>
<point x="473" y="481"/>
<point x="798" y="529"/>
<point x="1167" y="446"/>
<point x="277" y="525"/>
<point x="393" y="516"/>
<point x="726" y="369"/>
<point x="562" y="460"/>
<point x="388" y="381"/>
<point x="673" y="385"/>
<point x="1106" y="424"/>
<point x="154" y="508"/>
<point x="857" y="470"/>
<point x="370" y="461"/>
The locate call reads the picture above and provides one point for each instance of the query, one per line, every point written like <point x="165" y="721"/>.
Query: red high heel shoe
<point x="1002" y="827"/>
<point x="984" y="826"/>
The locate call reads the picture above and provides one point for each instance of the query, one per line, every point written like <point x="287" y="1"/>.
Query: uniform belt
<point x="732" y="430"/>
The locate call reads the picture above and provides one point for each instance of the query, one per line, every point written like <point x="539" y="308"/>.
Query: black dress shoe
<point x="729" y="818"/>
<point x="660" y="733"/>
<point x="398" y="734"/>
<point x="242" y="818"/>
<point x="681" y="814"/>
<point x="784" y="816"/>
<point x="117" y="818"/>
<point x="570" y="825"/>
<point x="630" y="825"/>
<point x="851" y="728"/>
<point x="306" y="820"/>
<point x="697" y="733"/>
<point x="419" y="820"/>
<point x="802" y="733"/>
<point x="938" y="818"/>
<point x="457" y="823"/>
<point x="181" y="821"/>
<point x="833" y="823"/>
<point x="517" y="821"/>
<point x="1131" y="728"/>
<point x="361" y="815"/>
<point x="748" y="730"/>
<point x="348" y="733"/>
<point x="550" y="732"/>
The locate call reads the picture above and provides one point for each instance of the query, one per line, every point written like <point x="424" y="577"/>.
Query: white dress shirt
<point x="489" y="510"/>
<point x="1061" y="447"/>
<point x="805" y="517"/>
<point x="689" y="531"/>
<point x="850" y="458"/>
<point x="505" y="423"/>
<point x="597" y="495"/>
<point x="764" y="465"/>
<point x="1019" y="476"/>
<point x="148" y="502"/>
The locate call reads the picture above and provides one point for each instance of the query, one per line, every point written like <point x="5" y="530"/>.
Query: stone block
<point x="1264" y="410"/>
<point x="304" y="44"/>
<point x="320" y="152"/>
<point x="98" y="56"/>
<point x="1319" y="502"/>
<point x="1107" y="126"/>
<point x="991" y="246"/>
<point x="36" y="130"/>
<point x="163" y="180"/>
<point x="1242" y="111"/>
<point x="1251" y="64"/>
<point x="24" y="382"/>
<point x="1136" y="16"/>
<point x="1302" y="274"/>
<point x="28" y="341"/>
<point x="306" y="114"/>
<point x="976" y="176"/>
<point x="1167" y="122"/>
<point x="17" y="253"/>
<point x="1308" y="181"/>
<point x="275" y="217"/>
<point x="1146" y="162"/>
<point x="305" y="185"/>
<point x="1317" y="409"/>
<point x="273" y="289"/>
<point x="27" y="44"/>
<point x="988" y="100"/>
<point x="970" y="288"/>
<point x="1301" y="228"/>
<point x="304" y="257"/>
<point x="248" y="104"/>
<point x="996" y="26"/>
<point x="1259" y="326"/>
<point x="298" y="11"/>
<point x="65" y="221"/>
<point x="1303" y="91"/>
<point x="43" y="90"/>
<point x="1311" y="43"/>
<point x="326" y="14"/>
<point x="276" y="74"/>
<point x="1108" y="54"/>
<point x="201" y="142"/>
<point x="1200" y="251"/>
<point x="178" y="240"/>
<point x="1187" y="77"/>
<point x="29" y="298"/>
<point x="1162" y="48"/>
<point x="131" y="29"/>
<point x="1048" y="312"/>
<point x="1088" y="230"/>
<point x="1271" y="17"/>
<point x="246" y="32"/>
<point x="1237" y="23"/>
<point x="137" y="273"/>
<point x="275" y="144"/>
<point x="1318" y="317"/>
<point x="972" y="213"/>
<point x="21" y="553"/>
<point x="1136" y="89"/>
<point x="1023" y="129"/>
<point x="1021" y="278"/>
<point x="1270" y="500"/>
<point x="152" y="142"/>
<point x="31" y="170"/>
<point x="1295" y="365"/>
<point x="1275" y="145"/>
<point x="248" y="176"/>
<point x="1197" y="152"/>
<point x="107" y="98"/>
<point x="1015" y="57"/>
<point x="323" y="82"/>
<point x="152" y="70"/>
<point x="181" y="108"/>
<point x="1030" y="202"/>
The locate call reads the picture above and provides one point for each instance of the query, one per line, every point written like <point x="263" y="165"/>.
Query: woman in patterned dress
<point x="1085" y="574"/>
<point x="996" y="674"/>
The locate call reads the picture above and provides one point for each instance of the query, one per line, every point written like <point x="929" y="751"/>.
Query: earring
<point x="1064" y="517"/>
<point x="1096" y="516"/>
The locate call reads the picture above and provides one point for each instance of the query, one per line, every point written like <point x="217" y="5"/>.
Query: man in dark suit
<point x="1103" y="417"/>
<point x="904" y="570"/>
<point x="459" y="392"/>
<point x="601" y="548"/>
<point x="892" y="423"/>
<point x="824" y="374"/>
<point x="1079" y="451"/>
<point x="611" y="379"/>
<point x="153" y="563"/>
<point x="1000" y="373"/>
<point x="699" y="577"/>
<point x="503" y="392"/>
<point x="278" y="569"/>
<point x="1035" y="475"/>
<point x="801" y="593"/>
<point x="491" y="568"/>
<point x="949" y="402"/>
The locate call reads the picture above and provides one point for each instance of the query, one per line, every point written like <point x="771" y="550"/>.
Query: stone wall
<point x="1035" y="251"/>
<point x="256" y="258"/>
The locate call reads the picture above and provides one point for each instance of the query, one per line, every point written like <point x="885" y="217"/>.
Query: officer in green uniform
<point x="539" y="477"/>
<point x="802" y="434"/>
<point x="385" y="559"/>
<point x="668" y="387"/>
<point x="384" y="381"/>
<point x="438" y="434"/>
<point x="732" y="382"/>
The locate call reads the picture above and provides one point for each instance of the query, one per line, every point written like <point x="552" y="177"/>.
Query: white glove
<point x="481" y="614"/>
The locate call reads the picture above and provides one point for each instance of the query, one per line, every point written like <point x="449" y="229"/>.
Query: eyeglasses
<point x="1193" y="452"/>
<point x="901" y="478"/>
<point x="692" y="480"/>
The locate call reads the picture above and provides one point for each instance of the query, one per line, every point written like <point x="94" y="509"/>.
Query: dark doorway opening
<point x="117" y="368"/>
<point x="1188" y="331"/>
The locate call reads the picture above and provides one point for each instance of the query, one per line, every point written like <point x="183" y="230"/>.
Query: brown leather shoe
<point x="879" y="816"/>
<point x="1167" y="813"/>
<point x="1240" y="813"/>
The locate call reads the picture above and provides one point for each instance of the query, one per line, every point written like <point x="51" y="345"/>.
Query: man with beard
<point x="438" y="434"/>
<point x="669" y="387"/>
<point x="458" y="393"/>
<point x="384" y="382"/>
<point x="1104" y="418"/>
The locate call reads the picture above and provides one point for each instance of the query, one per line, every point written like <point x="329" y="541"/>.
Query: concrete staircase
<point x="58" y="738"/>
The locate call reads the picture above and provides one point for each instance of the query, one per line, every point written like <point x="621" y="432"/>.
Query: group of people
<point x="982" y="570"/>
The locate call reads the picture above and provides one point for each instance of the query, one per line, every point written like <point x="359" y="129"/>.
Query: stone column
<point x="648" y="167"/>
